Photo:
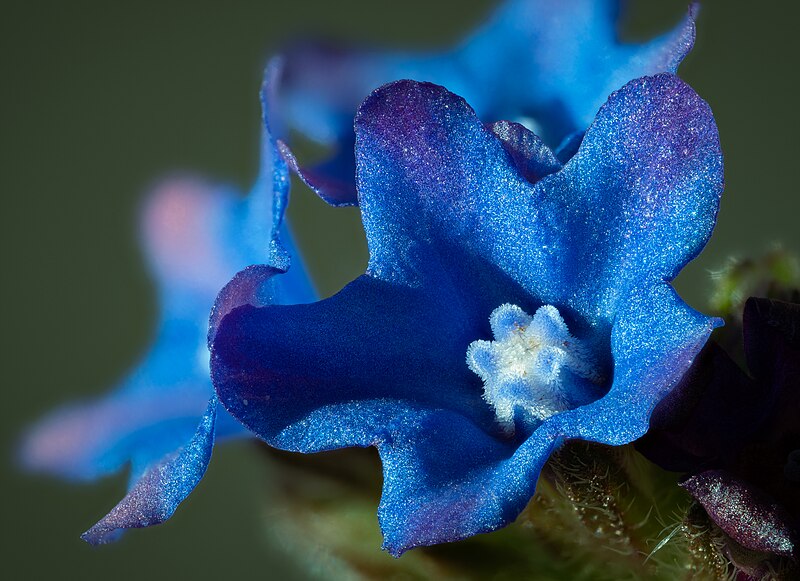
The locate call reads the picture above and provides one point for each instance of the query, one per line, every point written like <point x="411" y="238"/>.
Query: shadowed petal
<point x="285" y="370"/>
<point x="707" y="418"/>
<point x="533" y="158"/>
<point x="721" y="418"/>
<point x="428" y="498"/>
<point x="296" y="378"/>
<point x="772" y="343"/>
<point x="254" y="286"/>
<point x="331" y="180"/>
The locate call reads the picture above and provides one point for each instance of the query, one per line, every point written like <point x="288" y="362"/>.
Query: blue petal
<point x="193" y="233"/>
<point x="428" y="498"/>
<point x="574" y="61"/>
<point x="162" y="487"/>
<point x="309" y="379"/>
<point x="277" y="369"/>
<point x="196" y="236"/>
<point x="654" y="340"/>
<point x="640" y="196"/>
<point x="342" y="372"/>
<point x="569" y="146"/>
<point x="100" y="437"/>
<point x="525" y="63"/>
<point x="156" y="408"/>
<point x="642" y="192"/>
<point x="454" y="231"/>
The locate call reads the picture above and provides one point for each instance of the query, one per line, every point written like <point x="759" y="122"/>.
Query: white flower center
<point x="527" y="366"/>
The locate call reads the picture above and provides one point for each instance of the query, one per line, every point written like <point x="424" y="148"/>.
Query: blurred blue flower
<point x="547" y="63"/>
<point x="510" y="302"/>
<point x="160" y="420"/>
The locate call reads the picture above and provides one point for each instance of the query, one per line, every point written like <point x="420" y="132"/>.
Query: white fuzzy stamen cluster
<point x="526" y="365"/>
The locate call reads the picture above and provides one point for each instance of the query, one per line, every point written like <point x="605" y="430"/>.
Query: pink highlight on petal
<point x="181" y="228"/>
<point x="72" y="441"/>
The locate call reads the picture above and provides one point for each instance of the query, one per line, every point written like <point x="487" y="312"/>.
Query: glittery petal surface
<point x="640" y="195"/>
<point x="454" y="231"/>
<point x="324" y="393"/>
<point x="162" y="487"/>
<point x="557" y="83"/>
<point x="642" y="192"/>
<point x="654" y="340"/>
<point x="749" y="516"/>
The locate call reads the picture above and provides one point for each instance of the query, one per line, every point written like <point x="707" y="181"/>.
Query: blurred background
<point x="98" y="100"/>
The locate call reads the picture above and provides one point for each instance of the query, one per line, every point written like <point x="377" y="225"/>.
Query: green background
<point x="98" y="99"/>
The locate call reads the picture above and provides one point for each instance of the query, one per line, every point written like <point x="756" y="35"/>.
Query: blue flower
<point x="510" y="302"/>
<point x="551" y="63"/>
<point x="160" y="420"/>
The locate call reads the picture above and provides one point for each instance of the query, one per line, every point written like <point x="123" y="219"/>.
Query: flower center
<point x="534" y="366"/>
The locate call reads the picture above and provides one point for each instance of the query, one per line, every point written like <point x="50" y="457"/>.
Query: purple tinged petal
<point x="253" y="286"/>
<point x="642" y="193"/>
<point x="655" y="144"/>
<point x="746" y="514"/>
<point x="556" y="82"/>
<point x="331" y="180"/>
<point x="454" y="231"/>
<point x="533" y="158"/>
<point x="162" y="487"/>
<point x="720" y="418"/>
